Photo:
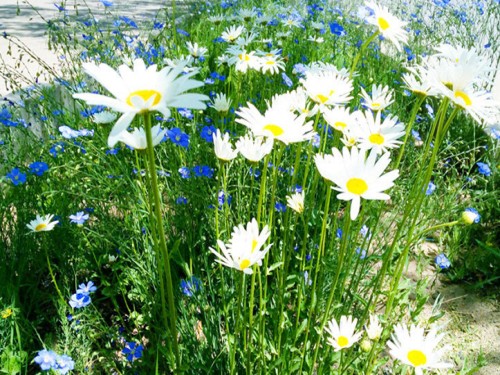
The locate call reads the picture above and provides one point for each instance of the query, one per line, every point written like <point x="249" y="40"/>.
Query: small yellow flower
<point x="7" y="313"/>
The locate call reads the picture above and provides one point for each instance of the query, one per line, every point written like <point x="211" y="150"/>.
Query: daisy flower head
<point x="356" y="175"/>
<point x="232" y="33"/>
<point x="243" y="60"/>
<point x="327" y="87"/>
<point x="478" y="104"/>
<point x="244" y="247"/>
<point x="271" y="63"/>
<point x="296" y="201"/>
<point x="340" y="118"/>
<point x="223" y="147"/>
<point x="142" y="89"/>
<point x="374" y="329"/>
<point x="296" y="101"/>
<point x="373" y="134"/>
<point x="221" y="103"/>
<point x="42" y="223"/>
<point x="137" y="138"/>
<point x="414" y="348"/>
<point x="380" y="98"/>
<point x="388" y="25"/>
<point x="343" y="335"/>
<point x="277" y="123"/>
<point x="195" y="50"/>
<point x="254" y="149"/>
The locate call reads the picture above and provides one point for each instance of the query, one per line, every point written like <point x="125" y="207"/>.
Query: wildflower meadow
<point x="243" y="187"/>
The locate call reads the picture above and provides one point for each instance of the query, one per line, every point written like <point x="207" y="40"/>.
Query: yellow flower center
<point x="462" y="95"/>
<point x="270" y="62"/>
<point x="245" y="57"/>
<point x="40" y="227"/>
<point x="244" y="264"/>
<point x="324" y="98"/>
<point x="375" y="104"/>
<point x="254" y="245"/>
<point x="417" y="358"/>
<point x="340" y="124"/>
<point x="342" y="341"/>
<point x="383" y="24"/>
<point x="145" y="95"/>
<point x="356" y="186"/>
<point x="376" y="138"/>
<point x="275" y="129"/>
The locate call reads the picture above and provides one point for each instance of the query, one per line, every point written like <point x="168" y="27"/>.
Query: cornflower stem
<point x="360" y="53"/>
<point x="434" y="227"/>
<point x="161" y="233"/>
<point x="342" y="252"/>
<point x="409" y="127"/>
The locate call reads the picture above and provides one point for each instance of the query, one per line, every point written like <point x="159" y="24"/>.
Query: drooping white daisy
<point x="478" y="104"/>
<point x="142" y="89"/>
<point x="247" y="14"/>
<point x="277" y="123"/>
<point x="296" y="201"/>
<point x="372" y="134"/>
<point x="380" y="98"/>
<point x="412" y="347"/>
<point x="356" y="175"/>
<point x="343" y="335"/>
<point x="137" y="138"/>
<point x="42" y="223"/>
<point x="244" y="247"/>
<point x="254" y="149"/>
<point x="232" y="33"/>
<point x="388" y="25"/>
<point x="223" y="147"/>
<point x="221" y="103"/>
<point x="327" y="87"/>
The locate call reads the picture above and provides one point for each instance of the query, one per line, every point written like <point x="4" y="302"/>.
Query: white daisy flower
<point x="42" y="223"/>
<point x="254" y="149"/>
<point x="142" y="89"/>
<point x="243" y="60"/>
<point x="356" y="175"/>
<point x="195" y="50"/>
<point x="223" y="148"/>
<point x="277" y="123"/>
<point x="296" y="202"/>
<point x="272" y="64"/>
<point x="371" y="134"/>
<point x="296" y="101"/>
<point x="340" y="118"/>
<point x="380" y="98"/>
<point x="327" y="87"/>
<point x="244" y="247"/>
<point x="221" y="103"/>
<point x="414" y="348"/>
<point x="374" y="329"/>
<point x="343" y="335"/>
<point x="104" y="117"/>
<point x="388" y="25"/>
<point x="232" y="33"/>
<point x="137" y="138"/>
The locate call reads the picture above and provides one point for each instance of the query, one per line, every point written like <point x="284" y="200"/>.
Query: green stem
<point x="161" y="233"/>
<point x="360" y="53"/>
<point x="53" y="277"/>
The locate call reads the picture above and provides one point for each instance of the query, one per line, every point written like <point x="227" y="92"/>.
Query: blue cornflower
<point x="185" y="112"/>
<point x="86" y="288"/>
<point x="46" y="359"/>
<point x="133" y="351"/>
<point x="297" y="189"/>
<point x="190" y="286"/>
<point x="112" y="151"/>
<point x="430" y="188"/>
<point x="106" y="3"/>
<point x="38" y="168"/>
<point x="416" y="135"/>
<point x="184" y="172"/>
<point x="5" y="118"/>
<point x="206" y="133"/>
<point x="286" y="80"/>
<point x="483" y="169"/>
<point x="337" y="29"/>
<point x="178" y="137"/>
<point x="361" y="253"/>
<point x="181" y="200"/>
<point x="223" y="199"/>
<point x="79" y="218"/>
<point x="128" y="21"/>
<point x="308" y="257"/>
<point x="338" y="233"/>
<point x="203" y="171"/>
<point x="183" y="32"/>
<point x="56" y="149"/>
<point x="442" y="261"/>
<point x="16" y="176"/>
<point x="64" y="364"/>
<point x="79" y="300"/>
<point x="280" y="207"/>
<point x="365" y="231"/>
